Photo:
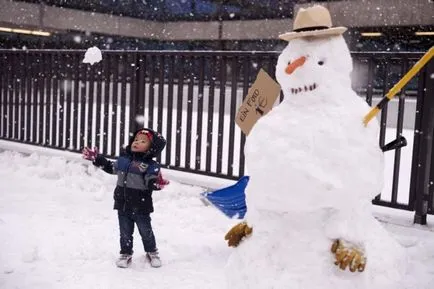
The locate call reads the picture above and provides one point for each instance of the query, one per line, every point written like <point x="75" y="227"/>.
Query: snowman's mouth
<point x="304" y="88"/>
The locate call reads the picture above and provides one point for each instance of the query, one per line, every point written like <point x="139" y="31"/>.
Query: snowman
<point x="314" y="169"/>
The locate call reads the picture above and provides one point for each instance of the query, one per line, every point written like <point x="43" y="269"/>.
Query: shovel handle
<point x="399" y="85"/>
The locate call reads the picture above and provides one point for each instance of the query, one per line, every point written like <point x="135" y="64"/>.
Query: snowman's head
<point x="309" y="63"/>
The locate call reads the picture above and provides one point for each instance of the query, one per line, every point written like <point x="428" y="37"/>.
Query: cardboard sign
<point x="258" y="102"/>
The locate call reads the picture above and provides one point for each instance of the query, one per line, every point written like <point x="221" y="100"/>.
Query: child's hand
<point x="161" y="182"/>
<point x="89" y="154"/>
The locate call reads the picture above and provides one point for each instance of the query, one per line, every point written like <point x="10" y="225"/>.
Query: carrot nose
<point x="295" y="64"/>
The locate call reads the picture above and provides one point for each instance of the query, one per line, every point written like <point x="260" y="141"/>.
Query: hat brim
<point x="316" y="33"/>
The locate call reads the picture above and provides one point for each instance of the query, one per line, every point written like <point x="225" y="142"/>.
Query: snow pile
<point x="93" y="55"/>
<point x="58" y="230"/>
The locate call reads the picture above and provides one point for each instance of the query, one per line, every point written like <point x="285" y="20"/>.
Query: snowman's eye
<point x="321" y="62"/>
<point x="289" y="62"/>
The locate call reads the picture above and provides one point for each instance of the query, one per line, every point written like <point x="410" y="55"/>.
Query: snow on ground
<point x="418" y="241"/>
<point x="58" y="230"/>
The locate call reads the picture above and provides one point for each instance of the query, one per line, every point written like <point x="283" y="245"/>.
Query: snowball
<point x="93" y="55"/>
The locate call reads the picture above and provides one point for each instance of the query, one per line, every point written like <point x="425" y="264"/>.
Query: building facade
<point x="385" y="25"/>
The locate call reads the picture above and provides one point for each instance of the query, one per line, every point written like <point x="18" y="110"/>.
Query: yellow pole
<point x="398" y="86"/>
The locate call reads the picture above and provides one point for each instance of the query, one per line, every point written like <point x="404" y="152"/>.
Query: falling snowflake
<point x="77" y="39"/>
<point x="140" y="119"/>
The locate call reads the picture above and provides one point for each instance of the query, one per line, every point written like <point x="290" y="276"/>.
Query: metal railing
<point x="50" y="98"/>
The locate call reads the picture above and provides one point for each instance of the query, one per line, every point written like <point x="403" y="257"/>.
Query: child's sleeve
<point x="106" y="165"/>
<point x="151" y="177"/>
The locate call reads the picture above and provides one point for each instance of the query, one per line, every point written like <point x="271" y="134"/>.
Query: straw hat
<point x="312" y="21"/>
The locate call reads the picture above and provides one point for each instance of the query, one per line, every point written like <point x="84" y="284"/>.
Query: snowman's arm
<point x="237" y="233"/>
<point x="347" y="232"/>
<point x="347" y="256"/>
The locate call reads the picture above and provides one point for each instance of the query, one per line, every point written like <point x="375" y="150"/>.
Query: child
<point x="138" y="175"/>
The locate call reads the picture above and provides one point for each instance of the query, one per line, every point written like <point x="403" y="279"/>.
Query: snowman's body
<point x="314" y="169"/>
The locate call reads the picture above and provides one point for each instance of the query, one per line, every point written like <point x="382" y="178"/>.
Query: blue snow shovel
<point x="231" y="200"/>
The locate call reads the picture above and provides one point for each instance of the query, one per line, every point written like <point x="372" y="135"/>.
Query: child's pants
<point x="126" y="227"/>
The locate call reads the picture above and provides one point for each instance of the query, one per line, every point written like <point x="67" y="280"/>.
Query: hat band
<point x="311" y="28"/>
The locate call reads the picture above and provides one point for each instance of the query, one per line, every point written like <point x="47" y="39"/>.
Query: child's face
<point x="141" y="143"/>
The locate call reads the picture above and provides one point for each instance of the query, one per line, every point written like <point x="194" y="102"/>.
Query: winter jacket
<point x="137" y="174"/>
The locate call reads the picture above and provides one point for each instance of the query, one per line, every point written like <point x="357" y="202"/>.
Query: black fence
<point x="53" y="99"/>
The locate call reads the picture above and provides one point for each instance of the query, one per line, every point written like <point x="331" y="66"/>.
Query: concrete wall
<point x="20" y="14"/>
<point x="184" y="30"/>
<point x="255" y="29"/>
<point x="346" y="13"/>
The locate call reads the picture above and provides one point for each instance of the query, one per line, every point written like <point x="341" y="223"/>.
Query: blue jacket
<point x="137" y="174"/>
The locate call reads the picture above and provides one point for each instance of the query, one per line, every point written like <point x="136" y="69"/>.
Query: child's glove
<point x="89" y="154"/>
<point x="161" y="182"/>
<point x="155" y="182"/>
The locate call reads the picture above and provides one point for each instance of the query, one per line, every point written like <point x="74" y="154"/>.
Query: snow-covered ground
<point x="58" y="230"/>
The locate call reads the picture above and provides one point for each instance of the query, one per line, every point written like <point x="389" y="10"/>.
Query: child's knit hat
<point x="146" y="132"/>
<point x="157" y="142"/>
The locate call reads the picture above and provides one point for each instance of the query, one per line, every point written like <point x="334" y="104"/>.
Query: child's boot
<point x="154" y="259"/>
<point x="124" y="260"/>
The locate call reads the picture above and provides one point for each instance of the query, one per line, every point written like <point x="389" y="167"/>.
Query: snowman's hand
<point x="348" y="255"/>
<point x="237" y="233"/>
